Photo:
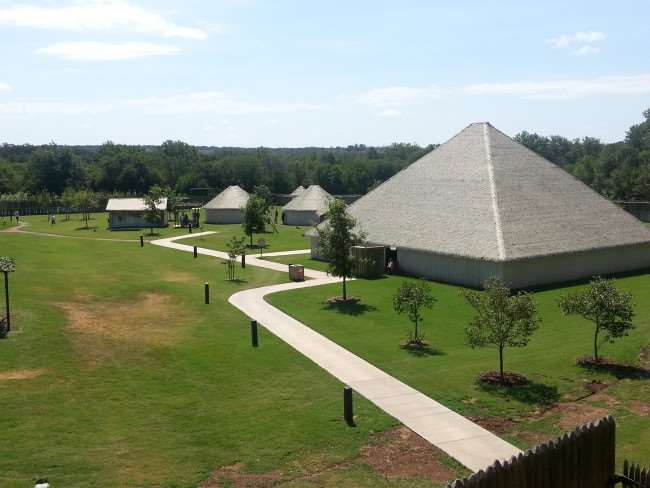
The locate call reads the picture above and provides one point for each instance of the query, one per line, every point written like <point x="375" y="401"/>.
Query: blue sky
<point x="298" y="73"/>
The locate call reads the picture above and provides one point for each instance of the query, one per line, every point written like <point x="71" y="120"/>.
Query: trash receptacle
<point x="296" y="272"/>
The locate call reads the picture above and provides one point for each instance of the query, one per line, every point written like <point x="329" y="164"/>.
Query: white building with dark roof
<point x="226" y="207"/>
<point x="483" y="205"/>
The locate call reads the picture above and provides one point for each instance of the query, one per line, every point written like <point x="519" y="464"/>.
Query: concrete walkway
<point x="465" y="441"/>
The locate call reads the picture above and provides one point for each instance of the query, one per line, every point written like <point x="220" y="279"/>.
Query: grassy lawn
<point x="286" y="239"/>
<point x="447" y="371"/>
<point x="97" y="227"/>
<point x="117" y="375"/>
<point x="303" y="259"/>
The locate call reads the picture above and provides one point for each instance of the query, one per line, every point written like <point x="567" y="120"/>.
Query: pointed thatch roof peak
<point x="483" y="195"/>
<point x="233" y="197"/>
<point x="313" y="198"/>
<point x="298" y="191"/>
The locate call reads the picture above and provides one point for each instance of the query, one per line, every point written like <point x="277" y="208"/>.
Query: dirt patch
<point x="401" y="453"/>
<point x="180" y="277"/>
<point x="644" y="357"/>
<point x="231" y="476"/>
<point x="395" y="454"/>
<point x="21" y="374"/>
<point x="497" y="425"/>
<point x="101" y="328"/>
<point x="640" y="408"/>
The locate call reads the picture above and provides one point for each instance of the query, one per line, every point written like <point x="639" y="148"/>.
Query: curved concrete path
<point x="468" y="443"/>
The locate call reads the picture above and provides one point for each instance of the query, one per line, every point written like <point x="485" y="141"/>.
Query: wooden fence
<point x="634" y="476"/>
<point x="585" y="458"/>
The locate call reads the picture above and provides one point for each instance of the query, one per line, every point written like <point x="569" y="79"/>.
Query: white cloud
<point x="585" y="50"/>
<point x="4" y="87"/>
<point x="215" y="103"/>
<point x="96" y="16"/>
<point x="395" y="96"/>
<point x="584" y="42"/>
<point x="390" y="112"/>
<point x="106" y="51"/>
<point x="577" y="38"/>
<point x="564" y="89"/>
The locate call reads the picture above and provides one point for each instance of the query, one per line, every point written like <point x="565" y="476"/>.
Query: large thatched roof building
<point x="297" y="192"/>
<point x="307" y="208"/>
<point x="483" y="205"/>
<point x="226" y="207"/>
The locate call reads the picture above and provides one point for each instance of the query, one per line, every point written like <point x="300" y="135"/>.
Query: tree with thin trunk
<point x="152" y="214"/>
<point x="336" y="238"/>
<point x="234" y="247"/>
<point x="502" y="319"/>
<point x="86" y="200"/>
<point x="610" y="310"/>
<point x="7" y="265"/>
<point x="411" y="298"/>
<point x="254" y="216"/>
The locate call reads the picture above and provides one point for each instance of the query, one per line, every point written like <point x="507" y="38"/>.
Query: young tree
<point x="254" y="216"/>
<point x="602" y="303"/>
<point x="68" y="200"/>
<point x="7" y="265"/>
<point x="411" y="297"/>
<point x="336" y="237"/>
<point x="86" y="201"/>
<point x="235" y="247"/>
<point x="502" y="319"/>
<point x="173" y="199"/>
<point x="152" y="215"/>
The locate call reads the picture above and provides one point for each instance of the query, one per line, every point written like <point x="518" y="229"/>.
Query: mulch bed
<point x="509" y="379"/>
<point x="341" y="301"/>
<point x="414" y="345"/>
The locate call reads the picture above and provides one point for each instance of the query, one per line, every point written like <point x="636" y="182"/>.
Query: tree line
<point x="620" y="170"/>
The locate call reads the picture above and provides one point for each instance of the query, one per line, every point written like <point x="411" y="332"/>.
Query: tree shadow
<point x="349" y="308"/>
<point x="532" y="392"/>
<point x="619" y="371"/>
<point x="237" y="281"/>
<point x="89" y="228"/>
<point x="423" y="351"/>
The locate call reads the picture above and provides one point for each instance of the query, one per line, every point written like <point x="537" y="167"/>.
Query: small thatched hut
<point x="226" y="207"/>
<point x="307" y="208"/>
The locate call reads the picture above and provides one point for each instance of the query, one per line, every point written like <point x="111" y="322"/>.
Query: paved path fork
<point x="470" y="444"/>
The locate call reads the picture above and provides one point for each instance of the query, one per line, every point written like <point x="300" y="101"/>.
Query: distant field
<point x="447" y="372"/>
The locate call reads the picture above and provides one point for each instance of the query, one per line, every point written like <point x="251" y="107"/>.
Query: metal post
<point x="206" y="288"/>
<point x="190" y="228"/>
<point x="243" y="259"/>
<point x="195" y="252"/>
<point x="7" y="301"/>
<point x="141" y="241"/>
<point x="254" y="340"/>
<point x="348" y="413"/>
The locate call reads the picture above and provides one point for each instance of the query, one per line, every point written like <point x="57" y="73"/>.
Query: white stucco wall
<point x="300" y="217"/>
<point x="223" y="216"/>
<point x="131" y="220"/>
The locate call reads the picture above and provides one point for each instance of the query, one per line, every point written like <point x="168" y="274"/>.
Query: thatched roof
<point x="298" y="191"/>
<point x="483" y="195"/>
<point x="313" y="199"/>
<point x="132" y="205"/>
<point x="233" y="197"/>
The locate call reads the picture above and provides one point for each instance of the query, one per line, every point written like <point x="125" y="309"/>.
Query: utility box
<point x="296" y="272"/>
<point x="372" y="261"/>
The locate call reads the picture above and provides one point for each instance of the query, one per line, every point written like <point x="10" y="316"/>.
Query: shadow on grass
<point x="89" y="228"/>
<point x="532" y="392"/>
<point x="423" y="351"/>
<point x="619" y="371"/>
<point x="349" y="308"/>
<point x="237" y="281"/>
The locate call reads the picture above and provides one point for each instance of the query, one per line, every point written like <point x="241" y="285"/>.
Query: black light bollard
<point x="190" y="228"/>
<point x="348" y="411"/>
<point x="206" y="289"/>
<point x="196" y="253"/>
<point x="243" y="259"/>
<point x="254" y="340"/>
<point x="141" y="241"/>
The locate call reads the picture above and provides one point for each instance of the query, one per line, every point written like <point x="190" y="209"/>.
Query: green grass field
<point x="447" y="372"/>
<point x="116" y="374"/>
<point x="303" y="259"/>
<point x="287" y="238"/>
